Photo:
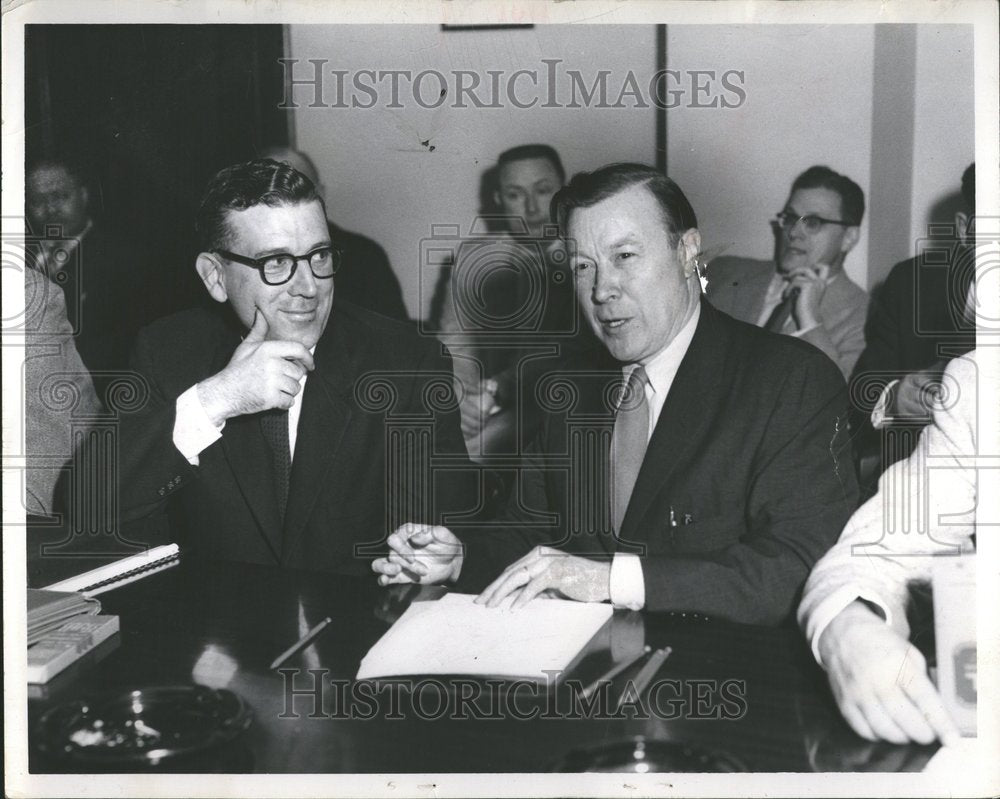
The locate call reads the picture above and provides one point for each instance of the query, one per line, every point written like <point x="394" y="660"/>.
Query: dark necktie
<point x="628" y="444"/>
<point x="780" y="315"/>
<point x="274" y="424"/>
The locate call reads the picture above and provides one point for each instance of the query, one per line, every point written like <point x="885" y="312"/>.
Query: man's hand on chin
<point x="261" y="375"/>
<point x="547" y="569"/>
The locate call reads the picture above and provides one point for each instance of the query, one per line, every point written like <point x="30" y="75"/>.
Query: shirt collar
<point x="661" y="369"/>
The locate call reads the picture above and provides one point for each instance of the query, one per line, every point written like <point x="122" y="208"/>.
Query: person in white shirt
<point x="853" y="610"/>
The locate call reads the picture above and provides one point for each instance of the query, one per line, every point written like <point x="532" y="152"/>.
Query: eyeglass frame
<point x="820" y="219"/>
<point x="258" y="263"/>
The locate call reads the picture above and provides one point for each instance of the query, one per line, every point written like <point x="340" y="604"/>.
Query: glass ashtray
<point x="641" y="755"/>
<point x="143" y="727"/>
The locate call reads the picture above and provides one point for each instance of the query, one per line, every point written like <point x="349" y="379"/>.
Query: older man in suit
<point x="273" y="425"/>
<point x="806" y="292"/>
<point x="694" y="466"/>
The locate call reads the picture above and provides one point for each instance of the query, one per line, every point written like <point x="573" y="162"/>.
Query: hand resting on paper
<point x="880" y="681"/>
<point x="546" y="569"/>
<point x="420" y="553"/>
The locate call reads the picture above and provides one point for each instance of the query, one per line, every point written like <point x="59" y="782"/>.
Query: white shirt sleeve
<point x="881" y="414"/>
<point x="193" y="430"/>
<point x="627" y="585"/>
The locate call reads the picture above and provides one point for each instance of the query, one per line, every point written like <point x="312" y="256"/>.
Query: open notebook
<point x="453" y="635"/>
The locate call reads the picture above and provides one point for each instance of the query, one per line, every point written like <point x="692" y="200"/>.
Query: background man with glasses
<point x="805" y="292"/>
<point x="259" y="430"/>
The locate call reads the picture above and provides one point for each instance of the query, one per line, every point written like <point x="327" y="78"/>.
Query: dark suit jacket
<point x="747" y="450"/>
<point x="365" y="277"/>
<point x="374" y="411"/>
<point x="914" y="322"/>
<point x="107" y="300"/>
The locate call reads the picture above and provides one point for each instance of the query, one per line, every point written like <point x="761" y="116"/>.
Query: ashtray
<point x="143" y="727"/>
<point x="641" y="755"/>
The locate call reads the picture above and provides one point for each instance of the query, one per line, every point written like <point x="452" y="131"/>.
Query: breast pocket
<point x="700" y="536"/>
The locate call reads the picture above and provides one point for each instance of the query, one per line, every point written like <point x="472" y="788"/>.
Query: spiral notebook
<point x="121" y="572"/>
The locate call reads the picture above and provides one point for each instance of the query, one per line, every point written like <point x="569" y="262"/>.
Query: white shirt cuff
<point x="627" y="585"/>
<point x="193" y="430"/>
<point x="803" y="331"/>
<point x="881" y="414"/>
<point x="829" y="608"/>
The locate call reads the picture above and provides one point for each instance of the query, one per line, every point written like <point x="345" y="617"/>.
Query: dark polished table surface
<point x="751" y="695"/>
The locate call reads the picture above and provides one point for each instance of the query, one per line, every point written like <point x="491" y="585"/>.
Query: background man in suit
<point x="99" y="273"/>
<point x="919" y="319"/>
<point x="514" y="286"/>
<point x="268" y="423"/>
<point x="366" y="277"/>
<point x="854" y="609"/>
<point x="805" y="293"/>
<point x="723" y="482"/>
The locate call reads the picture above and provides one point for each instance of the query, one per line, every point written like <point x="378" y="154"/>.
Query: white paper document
<point x="453" y="635"/>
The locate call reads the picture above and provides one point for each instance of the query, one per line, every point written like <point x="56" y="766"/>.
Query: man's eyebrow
<point x="627" y="239"/>
<point x="284" y="251"/>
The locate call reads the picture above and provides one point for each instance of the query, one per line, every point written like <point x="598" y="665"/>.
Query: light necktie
<point x="274" y="425"/>
<point x="628" y="444"/>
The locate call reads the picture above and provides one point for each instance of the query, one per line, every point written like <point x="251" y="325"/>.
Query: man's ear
<point x="688" y="248"/>
<point x="962" y="227"/>
<point x="851" y="236"/>
<point x="210" y="271"/>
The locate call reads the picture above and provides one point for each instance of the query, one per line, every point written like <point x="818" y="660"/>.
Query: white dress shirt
<point x="627" y="584"/>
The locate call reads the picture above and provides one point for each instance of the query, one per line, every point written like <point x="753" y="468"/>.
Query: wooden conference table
<point x="222" y="624"/>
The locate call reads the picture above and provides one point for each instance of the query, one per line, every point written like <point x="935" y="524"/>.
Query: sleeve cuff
<point x="830" y="607"/>
<point x="193" y="430"/>
<point x="881" y="413"/>
<point x="627" y="585"/>
<point x="805" y="330"/>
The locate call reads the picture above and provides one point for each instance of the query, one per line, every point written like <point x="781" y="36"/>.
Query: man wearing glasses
<point x="270" y="417"/>
<point x="805" y="293"/>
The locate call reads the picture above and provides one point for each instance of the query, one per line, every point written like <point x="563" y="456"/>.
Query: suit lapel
<point x="249" y="457"/>
<point x="326" y="414"/>
<point x="752" y="291"/>
<point x="684" y="421"/>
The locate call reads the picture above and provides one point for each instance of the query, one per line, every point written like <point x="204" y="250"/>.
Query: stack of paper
<point x="49" y="610"/>
<point x="456" y="636"/>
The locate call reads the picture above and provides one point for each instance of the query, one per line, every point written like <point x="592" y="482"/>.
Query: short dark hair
<point x="240" y="186"/>
<point x="589" y="188"/>
<point x="526" y="151"/>
<point x="72" y="165"/>
<point x="852" y="199"/>
<point x="969" y="188"/>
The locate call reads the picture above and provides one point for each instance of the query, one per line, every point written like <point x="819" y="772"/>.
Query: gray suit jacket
<point x="58" y="390"/>
<point x="738" y="287"/>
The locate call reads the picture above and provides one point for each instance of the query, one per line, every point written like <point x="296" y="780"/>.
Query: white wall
<point x="808" y="101"/>
<point x="381" y="181"/>
<point x="944" y="133"/>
